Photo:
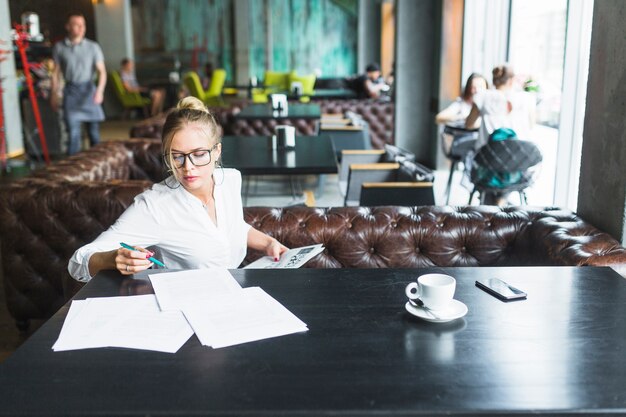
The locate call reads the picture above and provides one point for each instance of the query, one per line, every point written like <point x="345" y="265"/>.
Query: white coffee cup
<point x="435" y="291"/>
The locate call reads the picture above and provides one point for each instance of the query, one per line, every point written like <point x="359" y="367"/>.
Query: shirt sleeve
<point x="137" y="226"/>
<point x="479" y="100"/>
<point x="99" y="56"/>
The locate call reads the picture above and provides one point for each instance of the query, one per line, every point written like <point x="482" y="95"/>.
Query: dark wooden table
<point x="254" y="155"/>
<point x="561" y="351"/>
<point x="294" y="111"/>
<point x="336" y="94"/>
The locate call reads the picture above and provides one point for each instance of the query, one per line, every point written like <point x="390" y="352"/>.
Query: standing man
<point x="78" y="59"/>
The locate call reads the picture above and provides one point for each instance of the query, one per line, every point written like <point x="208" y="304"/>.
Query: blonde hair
<point x="189" y="110"/>
<point x="501" y="74"/>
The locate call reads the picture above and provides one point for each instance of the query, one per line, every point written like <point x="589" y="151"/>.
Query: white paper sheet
<point x="134" y="322"/>
<point x="175" y="289"/>
<point x="293" y="258"/>
<point x="236" y="318"/>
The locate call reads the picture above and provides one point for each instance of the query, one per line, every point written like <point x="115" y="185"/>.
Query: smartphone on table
<point x="500" y="289"/>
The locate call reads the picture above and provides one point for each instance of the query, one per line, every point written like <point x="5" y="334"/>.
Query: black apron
<point x="78" y="102"/>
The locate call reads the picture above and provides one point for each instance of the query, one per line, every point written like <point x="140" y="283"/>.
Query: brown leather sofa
<point x="379" y="115"/>
<point x="46" y="217"/>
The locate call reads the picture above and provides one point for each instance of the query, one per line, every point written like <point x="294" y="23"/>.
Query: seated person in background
<point x="460" y="108"/>
<point x="502" y="107"/>
<point x="505" y="107"/>
<point x="207" y="75"/>
<point x="129" y="79"/>
<point x="195" y="216"/>
<point x="371" y="84"/>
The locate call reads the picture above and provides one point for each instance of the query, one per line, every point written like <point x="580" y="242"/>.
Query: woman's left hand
<point x="275" y="249"/>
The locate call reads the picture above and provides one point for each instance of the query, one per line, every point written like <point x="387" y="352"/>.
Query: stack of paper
<point x="239" y="318"/>
<point x="130" y="322"/>
<point x="209" y="301"/>
<point x="220" y="311"/>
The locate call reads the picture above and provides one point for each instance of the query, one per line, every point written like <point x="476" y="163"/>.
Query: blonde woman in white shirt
<point x="195" y="216"/>
<point x="503" y="107"/>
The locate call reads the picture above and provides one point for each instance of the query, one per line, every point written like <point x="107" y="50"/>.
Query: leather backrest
<point x="378" y="115"/>
<point x="53" y="219"/>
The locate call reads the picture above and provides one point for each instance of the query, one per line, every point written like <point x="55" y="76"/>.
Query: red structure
<point x="3" y="153"/>
<point x="21" y="41"/>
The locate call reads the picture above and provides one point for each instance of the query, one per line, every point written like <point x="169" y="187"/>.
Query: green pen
<point x="155" y="260"/>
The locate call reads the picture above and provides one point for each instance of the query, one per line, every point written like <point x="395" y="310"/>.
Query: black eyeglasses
<point x="199" y="157"/>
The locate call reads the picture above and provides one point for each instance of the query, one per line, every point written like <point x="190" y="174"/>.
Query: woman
<point x="129" y="79"/>
<point x="460" y="108"/>
<point x="195" y="216"/>
<point x="503" y="107"/>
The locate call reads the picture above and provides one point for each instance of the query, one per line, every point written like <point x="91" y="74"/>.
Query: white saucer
<point x="456" y="310"/>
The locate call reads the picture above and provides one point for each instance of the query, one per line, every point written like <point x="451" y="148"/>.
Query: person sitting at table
<point x="460" y="108"/>
<point x="371" y="84"/>
<point x="195" y="216"/>
<point x="502" y="107"/>
<point x="129" y="79"/>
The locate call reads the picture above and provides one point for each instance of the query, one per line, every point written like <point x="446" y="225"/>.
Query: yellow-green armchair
<point x="128" y="100"/>
<point x="212" y="96"/>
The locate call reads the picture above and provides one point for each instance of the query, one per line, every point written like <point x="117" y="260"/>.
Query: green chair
<point x="212" y="96"/>
<point x="128" y="100"/>
<point x="307" y="81"/>
<point x="273" y="82"/>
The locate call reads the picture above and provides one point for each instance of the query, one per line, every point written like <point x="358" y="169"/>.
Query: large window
<point x="537" y="51"/>
<point x="547" y="42"/>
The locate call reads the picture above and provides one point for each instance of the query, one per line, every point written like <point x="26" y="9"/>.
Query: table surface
<point x="560" y="351"/>
<point x="294" y="111"/>
<point x="254" y="155"/>
<point x="334" y="93"/>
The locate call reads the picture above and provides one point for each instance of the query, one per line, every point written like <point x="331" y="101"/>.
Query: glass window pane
<point x="537" y="49"/>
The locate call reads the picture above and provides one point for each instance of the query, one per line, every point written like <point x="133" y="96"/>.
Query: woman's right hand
<point x="129" y="262"/>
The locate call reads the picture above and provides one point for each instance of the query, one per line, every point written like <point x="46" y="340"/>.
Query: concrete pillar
<point x="10" y="98"/>
<point x="418" y="34"/>
<point x="114" y="31"/>
<point x="368" y="27"/>
<point x="602" y="187"/>
<point x="242" y="44"/>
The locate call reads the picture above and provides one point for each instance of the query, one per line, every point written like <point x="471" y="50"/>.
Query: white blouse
<point x="494" y="111"/>
<point x="178" y="223"/>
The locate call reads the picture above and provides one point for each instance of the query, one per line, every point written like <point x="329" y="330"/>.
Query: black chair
<point x="396" y="154"/>
<point x="456" y="143"/>
<point x="386" y="175"/>
<point x="502" y="167"/>
<point x="397" y="194"/>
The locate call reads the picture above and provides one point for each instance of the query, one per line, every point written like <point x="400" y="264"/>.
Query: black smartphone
<point x="500" y="289"/>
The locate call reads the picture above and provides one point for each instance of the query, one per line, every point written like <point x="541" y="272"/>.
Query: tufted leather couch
<point x="46" y="217"/>
<point x="379" y="115"/>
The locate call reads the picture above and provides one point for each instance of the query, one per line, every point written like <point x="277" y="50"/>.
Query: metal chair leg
<point x="449" y="185"/>
<point x="471" y="196"/>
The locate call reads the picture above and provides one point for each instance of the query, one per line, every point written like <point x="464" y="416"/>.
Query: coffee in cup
<point x="435" y="291"/>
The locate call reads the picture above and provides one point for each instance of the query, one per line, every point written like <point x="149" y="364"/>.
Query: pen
<point x="156" y="261"/>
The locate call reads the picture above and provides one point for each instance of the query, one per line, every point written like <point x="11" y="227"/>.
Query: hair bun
<point x="192" y="103"/>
